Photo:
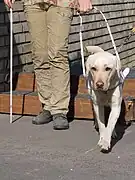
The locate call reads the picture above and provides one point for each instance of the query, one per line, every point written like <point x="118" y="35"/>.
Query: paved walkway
<point x="29" y="152"/>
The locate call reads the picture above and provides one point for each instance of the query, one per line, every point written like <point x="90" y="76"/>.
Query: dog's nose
<point x="99" y="84"/>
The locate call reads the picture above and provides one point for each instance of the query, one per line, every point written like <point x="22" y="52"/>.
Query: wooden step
<point x="27" y="103"/>
<point x="22" y="103"/>
<point x="27" y="82"/>
<point x="25" y="99"/>
<point x="129" y="86"/>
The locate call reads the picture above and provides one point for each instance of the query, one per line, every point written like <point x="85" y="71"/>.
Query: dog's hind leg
<point x="114" y="134"/>
<point x="95" y="124"/>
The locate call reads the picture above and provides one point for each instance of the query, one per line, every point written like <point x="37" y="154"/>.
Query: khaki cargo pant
<point x="49" y="28"/>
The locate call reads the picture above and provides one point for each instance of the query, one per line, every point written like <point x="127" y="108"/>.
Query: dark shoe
<point x="60" y="122"/>
<point x="43" y="118"/>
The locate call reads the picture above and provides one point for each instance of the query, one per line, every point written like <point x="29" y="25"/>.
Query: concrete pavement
<point x="29" y="152"/>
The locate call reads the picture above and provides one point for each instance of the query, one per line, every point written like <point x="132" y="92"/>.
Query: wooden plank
<point x="22" y="104"/>
<point x="83" y="109"/>
<point x="129" y="87"/>
<point x="26" y="82"/>
<point x="17" y="103"/>
<point x="30" y="105"/>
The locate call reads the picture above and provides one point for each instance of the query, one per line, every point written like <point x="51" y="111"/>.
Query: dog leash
<point x="132" y="33"/>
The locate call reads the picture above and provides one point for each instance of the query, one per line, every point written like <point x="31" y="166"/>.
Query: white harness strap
<point x="111" y="36"/>
<point x="113" y="43"/>
<point x="81" y="45"/>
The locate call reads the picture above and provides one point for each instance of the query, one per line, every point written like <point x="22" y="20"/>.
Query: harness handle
<point x="112" y="39"/>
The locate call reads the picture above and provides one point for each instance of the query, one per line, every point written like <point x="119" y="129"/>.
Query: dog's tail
<point x="94" y="49"/>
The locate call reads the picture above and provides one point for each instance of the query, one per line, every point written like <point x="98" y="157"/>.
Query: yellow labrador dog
<point x="105" y="80"/>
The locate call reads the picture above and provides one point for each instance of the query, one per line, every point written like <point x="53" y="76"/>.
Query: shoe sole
<point x="60" y="128"/>
<point x="41" y="123"/>
<point x="34" y="122"/>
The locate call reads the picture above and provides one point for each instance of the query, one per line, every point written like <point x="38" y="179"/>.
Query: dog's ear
<point x="93" y="49"/>
<point x="87" y="65"/>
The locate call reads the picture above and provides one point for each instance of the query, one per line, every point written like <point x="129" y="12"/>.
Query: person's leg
<point x="59" y="21"/>
<point x="36" y="17"/>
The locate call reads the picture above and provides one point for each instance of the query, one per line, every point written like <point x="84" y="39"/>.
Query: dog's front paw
<point x="104" y="144"/>
<point x="100" y="142"/>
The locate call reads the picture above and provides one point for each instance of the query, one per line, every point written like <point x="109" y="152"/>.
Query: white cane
<point x="11" y="64"/>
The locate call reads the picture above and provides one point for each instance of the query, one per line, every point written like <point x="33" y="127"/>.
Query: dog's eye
<point x="108" y="69"/>
<point x="93" y="69"/>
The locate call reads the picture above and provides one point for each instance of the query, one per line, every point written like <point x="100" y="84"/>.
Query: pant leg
<point x="59" y="21"/>
<point x="37" y="20"/>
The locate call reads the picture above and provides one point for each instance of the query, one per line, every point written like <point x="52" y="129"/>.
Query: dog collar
<point x="110" y="89"/>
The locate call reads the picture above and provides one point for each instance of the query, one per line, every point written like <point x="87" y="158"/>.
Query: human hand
<point x="85" y="5"/>
<point x="9" y="3"/>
